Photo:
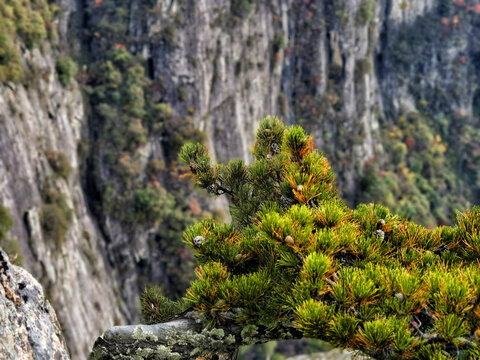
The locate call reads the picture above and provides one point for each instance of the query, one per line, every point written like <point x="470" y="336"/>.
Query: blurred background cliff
<point x="97" y="97"/>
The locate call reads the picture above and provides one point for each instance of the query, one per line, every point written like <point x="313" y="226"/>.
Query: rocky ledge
<point x="29" y="328"/>
<point x="182" y="338"/>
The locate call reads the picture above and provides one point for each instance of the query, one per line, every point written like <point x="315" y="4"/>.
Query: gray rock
<point x="29" y="328"/>
<point x="182" y="338"/>
<point x="232" y="80"/>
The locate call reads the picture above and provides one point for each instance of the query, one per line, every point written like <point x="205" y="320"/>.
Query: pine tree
<point x="296" y="257"/>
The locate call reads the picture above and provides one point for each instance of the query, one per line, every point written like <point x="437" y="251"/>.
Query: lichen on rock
<point x="28" y="325"/>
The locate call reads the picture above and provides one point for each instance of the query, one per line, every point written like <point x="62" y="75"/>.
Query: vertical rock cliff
<point x="43" y="125"/>
<point x="88" y="162"/>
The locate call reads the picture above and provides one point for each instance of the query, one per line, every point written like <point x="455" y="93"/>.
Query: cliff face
<point x="353" y="72"/>
<point x="241" y="60"/>
<point x="222" y="58"/>
<point x="41" y="122"/>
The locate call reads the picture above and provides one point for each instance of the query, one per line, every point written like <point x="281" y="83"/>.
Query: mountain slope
<point x="88" y="146"/>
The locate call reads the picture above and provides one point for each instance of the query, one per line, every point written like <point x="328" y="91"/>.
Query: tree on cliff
<point x="297" y="262"/>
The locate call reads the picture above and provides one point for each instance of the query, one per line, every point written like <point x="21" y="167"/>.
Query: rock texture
<point x="174" y="340"/>
<point x="183" y="337"/>
<point x="29" y="328"/>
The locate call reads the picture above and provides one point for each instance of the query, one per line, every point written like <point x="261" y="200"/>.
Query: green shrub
<point x="35" y="31"/>
<point x="340" y="10"/>
<point x="445" y="7"/>
<point x="115" y="30"/>
<point x="21" y="20"/>
<point x="55" y="223"/>
<point x="242" y="8"/>
<point x="8" y="244"/>
<point x="399" y="151"/>
<point x="10" y="63"/>
<point x="59" y="163"/>
<point x="422" y="164"/>
<point x="182" y="93"/>
<point x="121" y="57"/>
<point x="164" y="110"/>
<point x="136" y="133"/>
<point x="363" y="66"/>
<point x="179" y="131"/>
<point x="6" y="221"/>
<point x="155" y="166"/>
<point x="12" y="247"/>
<point x="151" y="204"/>
<point x="56" y="216"/>
<point x="156" y="307"/>
<point x="66" y="69"/>
<point x="279" y="42"/>
<point x="169" y="35"/>
<point x="366" y="11"/>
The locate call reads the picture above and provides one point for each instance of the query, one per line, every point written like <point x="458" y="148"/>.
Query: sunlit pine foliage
<point x="296" y="256"/>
